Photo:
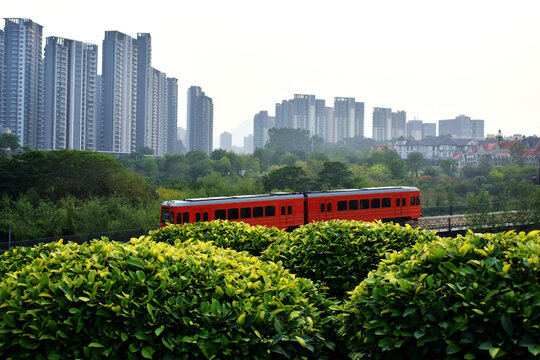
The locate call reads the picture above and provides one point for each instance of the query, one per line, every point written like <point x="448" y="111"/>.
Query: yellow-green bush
<point x="145" y="299"/>
<point x="238" y="236"/>
<point x="472" y="297"/>
<point x="339" y="253"/>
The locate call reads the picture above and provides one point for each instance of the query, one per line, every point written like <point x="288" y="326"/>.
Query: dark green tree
<point x="415" y="162"/>
<point x="334" y="175"/>
<point x="288" y="177"/>
<point x="449" y="166"/>
<point x="288" y="140"/>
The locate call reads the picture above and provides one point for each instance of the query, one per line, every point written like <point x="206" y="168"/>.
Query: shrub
<point x="339" y="254"/>
<point x="472" y="297"/>
<point x="238" y="236"/>
<point x="145" y="299"/>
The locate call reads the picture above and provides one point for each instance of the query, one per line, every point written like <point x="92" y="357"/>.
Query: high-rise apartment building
<point x="225" y="141"/>
<point x="21" y="108"/>
<point x="414" y="129"/>
<point x="200" y="120"/>
<point x="321" y="121"/>
<point x="119" y="68"/>
<point x="262" y="122"/>
<point x="399" y="120"/>
<point x="172" y="115"/>
<point x="348" y="118"/>
<point x="382" y="124"/>
<point x="459" y="128"/>
<point x="304" y="113"/>
<point x="146" y="135"/>
<point x="2" y="78"/>
<point x="477" y="129"/>
<point x="159" y="114"/>
<point x="284" y="114"/>
<point x="70" y="94"/>
<point x="429" y="130"/>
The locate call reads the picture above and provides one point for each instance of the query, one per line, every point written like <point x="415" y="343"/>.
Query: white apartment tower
<point x="70" y="94"/>
<point x="21" y="79"/>
<point x="118" y="127"/>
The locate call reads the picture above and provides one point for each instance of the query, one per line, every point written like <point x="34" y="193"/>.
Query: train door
<point x="286" y="213"/>
<point x="323" y="210"/>
<point x="399" y="207"/>
<point x="201" y="215"/>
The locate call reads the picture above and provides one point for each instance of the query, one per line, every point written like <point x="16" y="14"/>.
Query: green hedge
<point x="338" y="253"/>
<point x="472" y="297"/>
<point x="145" y="299"/>
<point x="238" y="236"/>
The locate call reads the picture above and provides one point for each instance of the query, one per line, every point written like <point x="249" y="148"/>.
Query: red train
<point x="290" y="210"/>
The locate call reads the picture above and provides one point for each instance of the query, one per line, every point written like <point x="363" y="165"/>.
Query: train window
<point x="412" y="200"/>
<point x="364" y="204"/>
<point x="197" y="217"/>
<point x="403" y="202"/>
<point x="205" y="216"/>
<point x="375" y="203"/>
<point x="386" y="202"/>
<point x="220" y="214"/>
<point x="232" y="214"/>
<point x="179" y="218"/>
<point x="270" y="210"/>
<point x="283" y="210"/>
<point x="418" y="200"/>
<point x="257" y="211"/>
<point x="245" y="213"/>
<point x="322" y="207"/>
<point x="165" y="216"/>
<point x="353" y="204"/>
<point x="398" y="202"/>
<point x="289" y="210"/>
<point x="342" y="205"/>
<point x="185" y="217"/>
<point x="329" y="207"/>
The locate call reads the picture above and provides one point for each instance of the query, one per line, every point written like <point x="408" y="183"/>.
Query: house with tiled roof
<point x="437" y="149"/>
<point x="502" y="151"/>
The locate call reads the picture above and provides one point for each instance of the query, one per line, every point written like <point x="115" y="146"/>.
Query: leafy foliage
<point x="474" y="297"/>
<point x="228" y="234"/>
<point x="338" y="253"/>
<point x="153" y="300"/>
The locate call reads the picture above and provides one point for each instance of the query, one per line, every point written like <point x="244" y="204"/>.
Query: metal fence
<point x="120" y="235"/>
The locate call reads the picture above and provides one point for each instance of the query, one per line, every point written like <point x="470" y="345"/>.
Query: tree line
<point x="64" y="192"/>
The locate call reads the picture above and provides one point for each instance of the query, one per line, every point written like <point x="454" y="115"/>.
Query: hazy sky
<point x="433" y="59"/>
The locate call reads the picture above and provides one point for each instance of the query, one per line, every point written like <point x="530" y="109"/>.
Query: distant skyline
<point x="434" y="60"/>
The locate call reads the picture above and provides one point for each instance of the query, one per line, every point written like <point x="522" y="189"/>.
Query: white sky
<point x="434" y="59"/>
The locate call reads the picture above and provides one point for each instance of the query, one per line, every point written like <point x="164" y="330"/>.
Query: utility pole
<point x="9" y="235"/>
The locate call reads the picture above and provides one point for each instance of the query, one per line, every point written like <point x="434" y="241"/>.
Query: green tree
<point x="415" y="162"/>
<point x="9" y="142"/>
<point x="449" y="167"/>
<point x="334" y="175"/>
<point x="288" y="140"/>
<point x="288" y="177"/>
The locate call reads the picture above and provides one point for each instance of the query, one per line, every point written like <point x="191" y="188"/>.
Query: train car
<point x="290" y="210"/>
<point x="282" y="210"/>
<point x="396" y="203"/>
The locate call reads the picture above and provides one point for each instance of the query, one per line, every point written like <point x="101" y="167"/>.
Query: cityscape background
<point x="432" y="61"/>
